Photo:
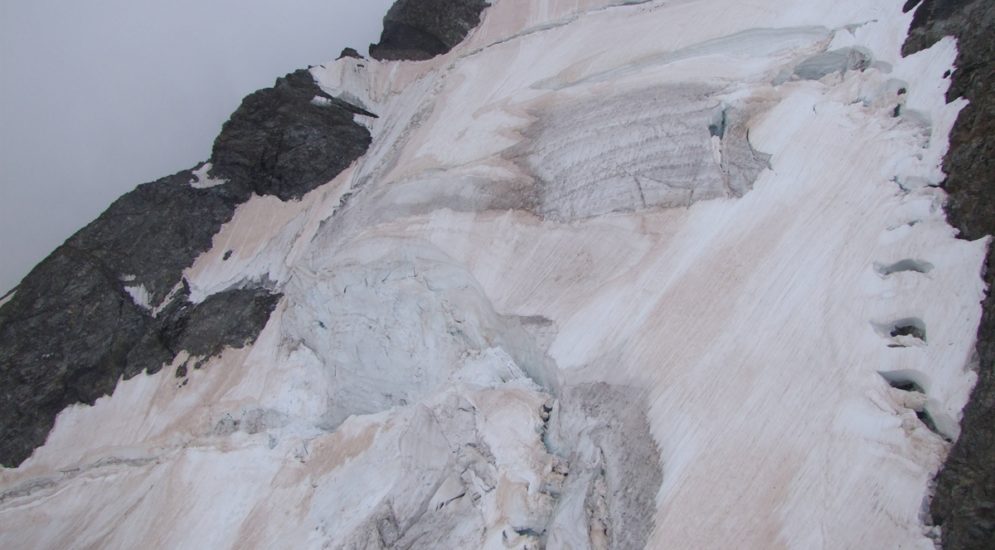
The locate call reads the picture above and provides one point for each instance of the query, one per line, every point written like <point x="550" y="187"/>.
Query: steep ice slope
<point x="611" y="274"/>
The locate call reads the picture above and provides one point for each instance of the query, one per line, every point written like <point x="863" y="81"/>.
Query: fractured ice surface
<point x="611" y="275"/>
<point x="658" y="147"/>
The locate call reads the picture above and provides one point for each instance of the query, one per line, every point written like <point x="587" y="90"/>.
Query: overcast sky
<point x="99" y="96"/>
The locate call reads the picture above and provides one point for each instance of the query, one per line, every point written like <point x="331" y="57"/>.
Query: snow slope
<point x="612" y="274"/>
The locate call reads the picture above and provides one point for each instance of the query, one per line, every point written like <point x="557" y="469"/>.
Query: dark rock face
<point x="232" y="318"/>
<point x="282" y="142"/>
<point x="72" y="329"/>
<point x="65" y="338"/>
<point x="422" y="29"/>
<point x="157" y="230"/>
<point x="964" y="501"/>
<point x="349" y="52"/>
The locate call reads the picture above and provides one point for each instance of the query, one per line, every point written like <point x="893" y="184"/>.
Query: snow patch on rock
<point x="8" y="297"/>
<point x="140" y="296"/>
<point x="203" y="180"/>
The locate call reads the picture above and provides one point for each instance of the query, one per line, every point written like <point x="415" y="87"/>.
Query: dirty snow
<point x="590" y="218"/>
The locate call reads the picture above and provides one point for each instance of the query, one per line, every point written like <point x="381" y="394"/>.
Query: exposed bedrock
<point x="288" y="139"/>
<point x="72" y="328"/>
<point x="72" y="332"/>
<point x="65" y="338"/>
<point x="422" y="29"/>
<point x="232" y="318"/>
<point x="111" y="301"/>
<point x="964" y="500"/>
<point x="150" y="235"/>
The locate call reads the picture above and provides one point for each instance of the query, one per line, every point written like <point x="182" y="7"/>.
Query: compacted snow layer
<point x="611" y="275"/>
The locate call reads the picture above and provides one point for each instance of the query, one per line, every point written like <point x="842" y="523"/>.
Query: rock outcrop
<point x="964" y="501"/>
<point x="288" y="139"/>
<point x="422" y="29"/>
<point x="111" y="302"/>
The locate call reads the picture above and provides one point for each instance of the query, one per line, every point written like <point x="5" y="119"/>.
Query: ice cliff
<point x="538" y="273"/>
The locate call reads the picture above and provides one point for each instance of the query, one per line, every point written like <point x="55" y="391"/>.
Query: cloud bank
<point x="98" y="97"/>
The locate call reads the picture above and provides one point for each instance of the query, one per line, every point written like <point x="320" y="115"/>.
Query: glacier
<point x="610" y="274"/>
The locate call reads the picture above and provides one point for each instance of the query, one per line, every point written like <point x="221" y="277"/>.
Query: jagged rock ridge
<point x="288" y="139"/>
<point x="422" y="29"/>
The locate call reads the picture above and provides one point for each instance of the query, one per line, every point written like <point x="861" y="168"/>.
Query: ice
<point x="590" y="218"/>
